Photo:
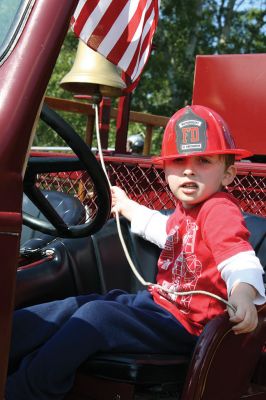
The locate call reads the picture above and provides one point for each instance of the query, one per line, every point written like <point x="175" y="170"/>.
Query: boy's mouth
<point x="189" y="188"/>
<point x="189" y="185"/>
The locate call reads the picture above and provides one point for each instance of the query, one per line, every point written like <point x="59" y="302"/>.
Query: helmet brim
<point x="239" y="154"/>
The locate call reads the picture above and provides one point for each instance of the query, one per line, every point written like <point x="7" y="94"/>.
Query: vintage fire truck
<point x="57" y="237"/>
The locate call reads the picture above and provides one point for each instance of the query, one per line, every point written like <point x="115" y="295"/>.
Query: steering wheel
<point x="55" y="225"/>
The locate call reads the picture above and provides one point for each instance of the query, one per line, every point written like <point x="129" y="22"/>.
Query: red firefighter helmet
<point x="198" y="130"/>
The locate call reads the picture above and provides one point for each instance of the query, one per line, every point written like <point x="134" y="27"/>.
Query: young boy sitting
<point x="205" y="241"/>
<point x="204" y="247"/>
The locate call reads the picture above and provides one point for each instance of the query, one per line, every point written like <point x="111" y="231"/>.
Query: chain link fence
<point x="144" y="182"/>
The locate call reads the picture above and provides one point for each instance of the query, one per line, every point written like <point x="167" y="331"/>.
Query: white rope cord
<point x="131" y="264"/>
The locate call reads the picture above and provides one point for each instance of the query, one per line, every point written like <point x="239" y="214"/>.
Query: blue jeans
<point x="51" y="340"/>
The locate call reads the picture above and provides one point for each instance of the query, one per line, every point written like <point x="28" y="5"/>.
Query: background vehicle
<point x="28" y="54"/>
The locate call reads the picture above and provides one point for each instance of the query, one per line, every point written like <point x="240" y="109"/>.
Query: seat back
<point x="112" y="264"/>
<point x="257" y="228"/>
<point x="114" y="268"/>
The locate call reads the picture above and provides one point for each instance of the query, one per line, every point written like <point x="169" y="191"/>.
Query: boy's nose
<point x="188" y="168"/>
<point x="188" y="172"/>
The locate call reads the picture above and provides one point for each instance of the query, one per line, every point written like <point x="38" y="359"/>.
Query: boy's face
<point x="194" y="179"/>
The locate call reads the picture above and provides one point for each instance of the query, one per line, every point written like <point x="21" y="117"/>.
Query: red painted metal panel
<point x="235" y="86"/>
<point x="23" y="80"/>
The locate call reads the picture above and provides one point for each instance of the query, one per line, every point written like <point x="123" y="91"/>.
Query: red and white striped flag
<point x="120" y="30"/>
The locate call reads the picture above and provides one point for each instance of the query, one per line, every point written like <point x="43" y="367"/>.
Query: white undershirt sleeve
<point x="150" y="224"/>
<point x="244" y="267"/>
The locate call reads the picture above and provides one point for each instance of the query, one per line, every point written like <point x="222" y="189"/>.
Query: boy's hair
<point x="229" y="159"/>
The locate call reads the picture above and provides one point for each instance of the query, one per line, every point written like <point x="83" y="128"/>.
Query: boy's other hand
<point x="246" y="316"/>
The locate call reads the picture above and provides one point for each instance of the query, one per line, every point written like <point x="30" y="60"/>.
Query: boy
<point x="205" y="246"/>
<point x="198" y="153"/>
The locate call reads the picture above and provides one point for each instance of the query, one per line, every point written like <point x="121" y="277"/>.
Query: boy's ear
<point x="229" y="175"/>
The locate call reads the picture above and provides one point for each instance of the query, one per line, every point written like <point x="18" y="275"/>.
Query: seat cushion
<point x="145" y="369"/>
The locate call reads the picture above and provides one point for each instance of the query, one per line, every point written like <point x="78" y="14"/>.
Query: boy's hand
<point x="119" y="197"/>
<point x="122" y="203"/>
<point x="246" y="316"/>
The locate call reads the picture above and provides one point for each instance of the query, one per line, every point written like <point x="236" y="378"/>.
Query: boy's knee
<point x="102" y="314"/>
<point x="94" y="311"/>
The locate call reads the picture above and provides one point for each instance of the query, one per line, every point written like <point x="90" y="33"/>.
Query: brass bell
<point x="92" y="74"/>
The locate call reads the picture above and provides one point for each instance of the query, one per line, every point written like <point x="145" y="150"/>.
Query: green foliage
<point x="186" y="28"/>
<point x="45" y="136"/>
<point x="62" y="67"/>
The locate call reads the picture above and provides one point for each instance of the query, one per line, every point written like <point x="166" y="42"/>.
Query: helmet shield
<point x="190" y="133"/>
<point x="198" y="130"/>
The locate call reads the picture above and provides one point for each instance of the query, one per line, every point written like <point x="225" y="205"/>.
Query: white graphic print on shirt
<point x="186" y="267"/>
<point x="168" y="250"/>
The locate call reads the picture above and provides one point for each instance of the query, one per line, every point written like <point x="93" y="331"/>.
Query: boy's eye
<point x="178" y="160"/>
<point x="205" y="160"/>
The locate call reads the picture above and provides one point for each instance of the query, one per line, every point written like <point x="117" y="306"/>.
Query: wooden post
<point x="148" y="139"/>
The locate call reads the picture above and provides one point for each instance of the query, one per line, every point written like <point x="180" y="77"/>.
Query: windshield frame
<point x="15" y="29"/>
